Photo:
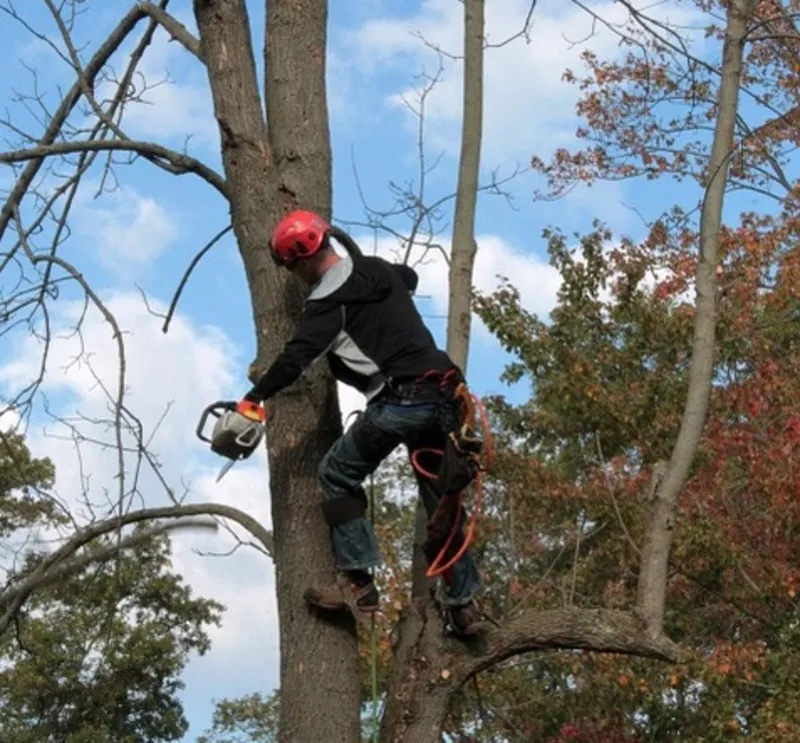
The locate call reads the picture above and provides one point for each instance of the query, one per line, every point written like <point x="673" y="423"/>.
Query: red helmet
<point x="299" y="234"/>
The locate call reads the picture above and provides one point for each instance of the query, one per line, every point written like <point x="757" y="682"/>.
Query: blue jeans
<point x="358" y="453"/>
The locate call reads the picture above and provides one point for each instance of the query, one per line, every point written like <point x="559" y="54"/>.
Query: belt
<point x="432" y="386"/>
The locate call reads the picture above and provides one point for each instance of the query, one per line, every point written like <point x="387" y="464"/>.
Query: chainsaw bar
<point x="225" y="468"/>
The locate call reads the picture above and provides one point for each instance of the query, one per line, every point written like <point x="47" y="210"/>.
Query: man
<point x="360" y="315"/>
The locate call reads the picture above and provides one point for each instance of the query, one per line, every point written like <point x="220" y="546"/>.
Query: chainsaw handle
<point x="216" y="409"/>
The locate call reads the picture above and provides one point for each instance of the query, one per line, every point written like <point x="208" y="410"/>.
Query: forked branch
<point x="174" y="28"/>
<point x="54" y="127"/>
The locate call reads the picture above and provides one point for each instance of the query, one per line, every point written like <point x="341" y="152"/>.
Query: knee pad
<point x="346" y="508"/>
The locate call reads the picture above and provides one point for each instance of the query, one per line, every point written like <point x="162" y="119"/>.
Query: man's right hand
<point x="252" y="397"/>
<point x="251" y="409"/>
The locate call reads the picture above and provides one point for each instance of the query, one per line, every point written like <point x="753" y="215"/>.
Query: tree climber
<point x="361" y="316"/>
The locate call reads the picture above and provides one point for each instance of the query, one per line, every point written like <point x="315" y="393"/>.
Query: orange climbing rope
<point x="465" y="436"/>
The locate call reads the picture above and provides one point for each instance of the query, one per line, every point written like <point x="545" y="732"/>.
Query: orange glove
<point x="251" y="410"/>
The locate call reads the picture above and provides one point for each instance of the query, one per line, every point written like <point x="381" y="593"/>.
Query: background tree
<point x="251" y="719"/>
<point x="609" y="371"/>
<point x="22" y="478"/>
<point x="98" y="655"/>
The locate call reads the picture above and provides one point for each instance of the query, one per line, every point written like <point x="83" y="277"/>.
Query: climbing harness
<point x="459" y="465"/>
<point x="237" y="432"/>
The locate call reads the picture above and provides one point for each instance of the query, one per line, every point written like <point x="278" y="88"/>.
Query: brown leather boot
<point x="466" y="620"/>
<point x="331" y="597"/>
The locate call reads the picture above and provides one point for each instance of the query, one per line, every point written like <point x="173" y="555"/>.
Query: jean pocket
<point x="405" y="417"/>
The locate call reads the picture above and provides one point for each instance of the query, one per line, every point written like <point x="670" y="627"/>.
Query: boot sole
<point x="312" y="597"/>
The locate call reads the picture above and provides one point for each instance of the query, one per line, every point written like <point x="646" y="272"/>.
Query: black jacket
<point x="362" y="317"/>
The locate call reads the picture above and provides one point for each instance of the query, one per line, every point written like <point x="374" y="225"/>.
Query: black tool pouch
<point x="459" y="465"/>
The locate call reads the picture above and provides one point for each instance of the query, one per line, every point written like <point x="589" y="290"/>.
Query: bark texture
<point x="462" y="255"/>
<point x="661" y="519"/>
<point x="268" y="173"/>
<point x="429" y="668"/>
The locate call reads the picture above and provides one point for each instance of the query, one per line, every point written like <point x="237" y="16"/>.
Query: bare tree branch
<point x="182" y="162"/>
<point x="117" y="335"/>
<point x="111" y="44"/>
<point x="174" y="28"/>
<point x="524" y="32"/>
<point x="210" y="244"/>
<point x="15" y="596"/>
<point x="599" y="630"/>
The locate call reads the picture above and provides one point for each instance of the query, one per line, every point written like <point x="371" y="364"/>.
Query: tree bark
<point x="430" y="668"/>
<point x="319" y="662"/>
<point x="269" y="173"/>
<point x="661" y="519"/>
<point x="415" y="707"/>
<point x="462" y="255"/>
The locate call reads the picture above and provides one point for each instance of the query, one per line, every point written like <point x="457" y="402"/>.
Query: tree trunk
<point x="661" y="519"/>
<point x="416" y="702"/>
<point x="462" y="255"/>
<point x="429" y="668"/>
<point x="269" y="173"/>
<point x="319" y="663"/>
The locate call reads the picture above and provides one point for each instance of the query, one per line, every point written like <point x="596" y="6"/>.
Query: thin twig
<point x="174" y="303"/>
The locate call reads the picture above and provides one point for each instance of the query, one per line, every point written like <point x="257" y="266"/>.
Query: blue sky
<point x="145" y="233"/>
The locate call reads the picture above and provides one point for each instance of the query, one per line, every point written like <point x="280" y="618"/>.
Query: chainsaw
<point x="237" y="432"/>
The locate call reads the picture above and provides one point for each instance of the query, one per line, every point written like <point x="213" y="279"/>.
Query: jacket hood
<point x="362" y="283"/>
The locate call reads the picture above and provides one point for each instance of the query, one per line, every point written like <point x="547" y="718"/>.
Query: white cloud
<point x="536" y="280"/>
<point x="9" y="420"/>
<point x="186" y="366"/>
<point x="127" y="229"/>
<point x="528" y="109"/>
<point x="184" y="370"/>
<point x="244" y="581"/>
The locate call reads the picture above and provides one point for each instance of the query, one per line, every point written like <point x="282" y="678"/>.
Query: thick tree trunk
<point x="416" y="704"/>
<point x="319" y="664"/>
<point x="430" y="668"/>
<point x="661" y="519"/>
<point x="269" y="173"/>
